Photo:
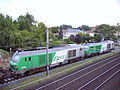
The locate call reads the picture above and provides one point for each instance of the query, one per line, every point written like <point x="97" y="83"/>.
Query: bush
<point x="3" y="52"/>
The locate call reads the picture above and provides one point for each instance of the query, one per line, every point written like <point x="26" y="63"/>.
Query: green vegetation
<point x="84" y="28"/>
<point x="26" y="32"/>
<point x="20" y="33"/>
<point x="106" y="32"/>
<point x="80" y="38"/>
<point x="3" y="52"/>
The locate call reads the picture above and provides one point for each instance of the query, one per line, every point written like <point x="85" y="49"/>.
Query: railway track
<point x="89" y="78"/>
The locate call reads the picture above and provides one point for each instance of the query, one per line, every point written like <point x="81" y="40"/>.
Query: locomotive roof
<point x="36" y="52"/>
<point x="91" y="44"/>
<point x="103" y="42"/>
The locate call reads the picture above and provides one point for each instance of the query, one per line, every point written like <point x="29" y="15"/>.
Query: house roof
<point x="91" y="30"/>
<point x="72" y="30"/>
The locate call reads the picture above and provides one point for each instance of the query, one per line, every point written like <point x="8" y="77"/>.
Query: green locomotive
<point x="35" y="60"/>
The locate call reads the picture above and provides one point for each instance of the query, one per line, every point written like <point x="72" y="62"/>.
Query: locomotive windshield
<point x="15" y="59"/>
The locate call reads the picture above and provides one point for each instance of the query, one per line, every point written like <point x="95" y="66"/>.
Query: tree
<point x="26" y="36"/>
<point x="39" y="34"/>
<point x="72" y="38"/>
<point x="81" y="38"/>
<point x="8" y="30"/>
<point x="60" y="34"/>
<point x="26" y="22"/>
<point x="65" y="27"/>
<point x="106" y="31"/>
<point x="84" y="27"/>
<point x="78" y="38"/>
<point x="54" y="29"/>
<point x="20" y="33"/>
<point x="118" y="30"/>
<point x="68" y="41"/>
<point x="85" y="38"/>
<point x="97" y="37"/>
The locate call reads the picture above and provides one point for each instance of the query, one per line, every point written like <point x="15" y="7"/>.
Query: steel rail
<point x="83" y="75"/>
<point x="107" y="80"/>
<point x="75" y="73"/>
<point x="98" y="76"/>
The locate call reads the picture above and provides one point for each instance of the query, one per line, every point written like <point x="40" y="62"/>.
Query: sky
<point x="70" y="12"/>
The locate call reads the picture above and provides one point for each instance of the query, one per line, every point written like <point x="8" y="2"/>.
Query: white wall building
<point x="68" y="32"/>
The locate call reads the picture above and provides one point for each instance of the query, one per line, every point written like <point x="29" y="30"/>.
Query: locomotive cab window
<point x="25" y="59"/>
<point x="29" y="58"/>
<point x="16" y="59"/>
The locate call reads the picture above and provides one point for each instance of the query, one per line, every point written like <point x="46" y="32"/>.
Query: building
<point x="68" y="32"/>
<point x="91" y="31"/>
<point x="117" y="33"/>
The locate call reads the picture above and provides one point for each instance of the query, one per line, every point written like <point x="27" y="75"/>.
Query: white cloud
<point x="73" y="12"/>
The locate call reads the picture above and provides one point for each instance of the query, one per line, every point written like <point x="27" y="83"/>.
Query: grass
<point x="57" y="72"/>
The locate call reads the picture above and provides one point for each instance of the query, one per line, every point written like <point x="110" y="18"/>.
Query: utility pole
<point x="118" y="33"/>
<point x="10" y="52"/>
<point x="47" y="52"/>
<point x="102" y="37"/>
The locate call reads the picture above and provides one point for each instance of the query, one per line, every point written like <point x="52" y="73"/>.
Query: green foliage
<point x="68" y="41"/>
<point x="84" y="27"/>
<point x="80" y="38"/>
<point x="26" y="22"/>
<point x="25" y="32"/>
<point x="54" y="29"/>
<point x="106" y="31"/>
<point x="3" y="52"/>
<point x="26" y="35"/>
<point x="85" y="38"/>
<point x="17" y="33"/>
<point x="55" y="43"/>
<point x="39" y="34"/>
<point x="65" y="27"/>
<point x="97" y="37"/>
<point x="8" y="30"/>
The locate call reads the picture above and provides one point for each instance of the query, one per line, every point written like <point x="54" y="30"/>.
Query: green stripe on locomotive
<point x="27" y="62"/>
<point x="92" y="49"/>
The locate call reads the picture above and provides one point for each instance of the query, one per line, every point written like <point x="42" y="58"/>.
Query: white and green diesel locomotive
<point x="35" y="60"/>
